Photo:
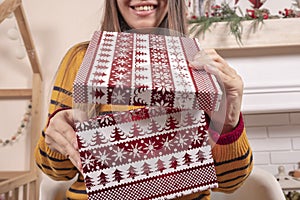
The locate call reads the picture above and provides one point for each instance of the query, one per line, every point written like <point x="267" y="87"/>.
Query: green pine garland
<point x="292" y="195"/>
<point x="224" y="13"/>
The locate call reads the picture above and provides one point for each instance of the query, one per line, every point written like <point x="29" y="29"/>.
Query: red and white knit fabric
<point x="147" y="153"/>
<point x="144" y="70"/>
<point x="160" y="151"/>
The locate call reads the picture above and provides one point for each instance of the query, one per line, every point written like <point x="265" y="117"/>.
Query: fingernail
<point x="79" y="165"/>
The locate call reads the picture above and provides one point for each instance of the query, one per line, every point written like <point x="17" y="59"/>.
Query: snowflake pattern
<point x="105" y="121"/>
<point x="122" y="63"/>
<point x="195" y="137"/>
<point x="159" y="57"/>
<point x="136" y="150"/>
<point x="122" y="55"/>
<point x="119" y="154"/>
<point x="157" y="96"/>
<point x="121" y="75"/>
<point x="88" y="161"/>
<point x="94" y="123"/>
<point x="150" y="147"/>
<point x="118" y="97"/>
<point x="182" y="140"/>
<point x="167" y="144"/>
<point x="185" y="97"/>
<point x="118" y="83"/>
<point x="162" y="103"/>
<point x="83" y="126"/>
<point x="125" y="117"/>
<point x="103" y="157"/>
<point x="156" y="39"/>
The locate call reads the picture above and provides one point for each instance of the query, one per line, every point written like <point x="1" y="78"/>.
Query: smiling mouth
<point x="143" y="8"/>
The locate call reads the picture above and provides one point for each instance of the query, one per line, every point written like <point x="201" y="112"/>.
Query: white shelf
<point x="271" y="33"/>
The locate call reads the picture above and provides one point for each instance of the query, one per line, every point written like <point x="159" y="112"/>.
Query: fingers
<point x="213" y="63"/>
<point x="61" y="137"/>
<point x="218" y="62"/>
<point x="200" y="60"/>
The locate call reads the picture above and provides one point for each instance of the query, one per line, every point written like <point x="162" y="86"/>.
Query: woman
<point x="57" y="151"/>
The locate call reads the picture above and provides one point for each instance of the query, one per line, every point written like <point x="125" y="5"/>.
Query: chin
<point x="144" y="25"/>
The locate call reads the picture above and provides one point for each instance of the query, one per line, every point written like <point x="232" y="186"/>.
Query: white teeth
<point x="144" y="8"/>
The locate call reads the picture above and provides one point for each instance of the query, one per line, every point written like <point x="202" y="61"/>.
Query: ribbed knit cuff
<point x="230" y="137"/>
<point x="55" y="154"/>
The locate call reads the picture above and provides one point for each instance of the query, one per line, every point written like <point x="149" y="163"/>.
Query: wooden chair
<point x="11" y="183"/>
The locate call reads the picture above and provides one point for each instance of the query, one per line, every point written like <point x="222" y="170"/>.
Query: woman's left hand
<point x="213" y="63"/>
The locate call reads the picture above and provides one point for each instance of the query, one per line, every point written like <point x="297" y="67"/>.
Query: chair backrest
<point x="260" y="185"/>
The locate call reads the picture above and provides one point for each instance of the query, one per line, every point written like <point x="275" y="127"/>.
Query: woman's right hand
<point x="60" y="136"/>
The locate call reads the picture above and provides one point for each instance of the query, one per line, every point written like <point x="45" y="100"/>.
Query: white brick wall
<point x="275" y="140"/>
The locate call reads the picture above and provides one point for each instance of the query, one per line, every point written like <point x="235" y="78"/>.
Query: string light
<point x="13" y="34"/>
<point x="21" y="128"/>
<point x="20" y="53"/>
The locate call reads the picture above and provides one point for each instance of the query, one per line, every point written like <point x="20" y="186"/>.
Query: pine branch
<point x="234" y="21"/>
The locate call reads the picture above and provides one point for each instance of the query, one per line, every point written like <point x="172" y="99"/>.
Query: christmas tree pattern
<point x="103" y="178"/>
<point x="146" y="168"/>
<point x="160" y="165"/>
<point x="85" y="125"/>
<point x="97" y="93"/>
<point x="206" y="153"/>
<point x="117" y="135"/>
<point x="98" y="139"/>
<point x="203" y="120"/>
<point x="187" y="159"/>
<point x="200" y="156"/>
<point x="153" y="127"/>
<point x="171" y="123"/>
<point x="173" y="162"/>
<point x="81" y="142"/>
<point x="132" y="172"/>
<point x="190" y="120"/>
<point x="88" y="182"/>
<point x="118" y="176"/>
<point x="135" y="131"/>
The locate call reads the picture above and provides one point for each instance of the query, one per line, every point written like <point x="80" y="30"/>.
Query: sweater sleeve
<point x="233" y="159"/>
<point x="54" y="164"/>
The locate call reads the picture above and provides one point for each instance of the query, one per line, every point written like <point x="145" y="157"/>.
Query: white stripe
<point x="146" y="96"/>
<point x="107" y="71"/>
<point x="181" y="85"/>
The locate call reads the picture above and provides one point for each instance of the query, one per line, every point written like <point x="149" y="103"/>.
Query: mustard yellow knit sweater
<point x="232" y="153"/>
